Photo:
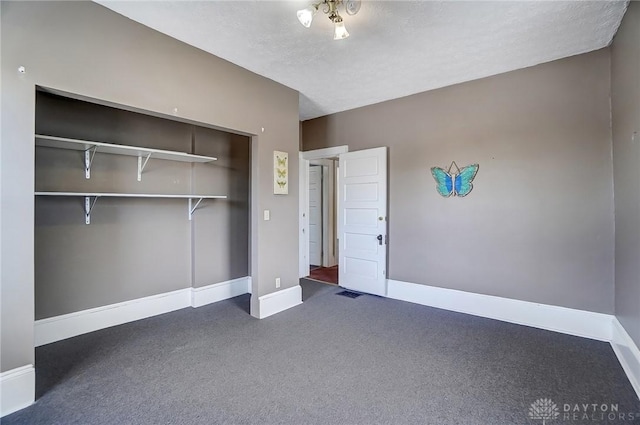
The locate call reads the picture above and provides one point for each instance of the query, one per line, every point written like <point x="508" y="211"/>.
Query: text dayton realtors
<point x="596" y="412"/>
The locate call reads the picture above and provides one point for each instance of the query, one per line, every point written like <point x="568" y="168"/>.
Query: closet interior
<point x="129" y="205"/>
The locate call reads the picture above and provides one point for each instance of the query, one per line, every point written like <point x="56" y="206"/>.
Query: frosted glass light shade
<point x="340" y="31"/>
<point x="305" y="16"/>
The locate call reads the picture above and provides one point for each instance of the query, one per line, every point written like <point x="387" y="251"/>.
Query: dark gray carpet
<point x="332" y="360"/>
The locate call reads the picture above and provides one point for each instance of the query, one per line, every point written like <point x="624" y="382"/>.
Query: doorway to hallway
<point x="321" y="195"/>
<point x="354" y="217"/>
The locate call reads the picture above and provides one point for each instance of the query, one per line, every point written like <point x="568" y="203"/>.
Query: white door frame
<point x="305" y="158"/>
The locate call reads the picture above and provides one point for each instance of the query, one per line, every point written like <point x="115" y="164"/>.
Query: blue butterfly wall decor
<point x="454" y="181"/>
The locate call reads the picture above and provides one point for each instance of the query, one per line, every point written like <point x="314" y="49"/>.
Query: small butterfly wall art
<point x="454" y="181"/>
<point x="280" y="173"/>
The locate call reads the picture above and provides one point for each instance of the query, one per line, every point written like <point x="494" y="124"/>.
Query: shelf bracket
<point x="192" y="207"/>
<point x="88" y="207"/>
<point x="88" y="160"/>
<point x="142" y="164"/>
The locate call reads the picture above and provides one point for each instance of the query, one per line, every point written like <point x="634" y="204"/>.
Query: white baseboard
<point x="17" y="389"/>
<point x="628" y="354"/>
<point x="81" y="322"/>
<point x="276" y="302"/>
<point x="559" y="319"/>
<point x="220" y="291"/>
<point x="69" y="325"/>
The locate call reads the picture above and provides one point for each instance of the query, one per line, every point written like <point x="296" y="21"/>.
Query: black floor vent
<point x="349" y="294"/>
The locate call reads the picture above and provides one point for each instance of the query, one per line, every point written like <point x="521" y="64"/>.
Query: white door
<point x="315" y="215"/>
<point x="362" y="221"/>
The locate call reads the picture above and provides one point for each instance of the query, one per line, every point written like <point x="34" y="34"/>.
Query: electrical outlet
<point x="277" y="282"/>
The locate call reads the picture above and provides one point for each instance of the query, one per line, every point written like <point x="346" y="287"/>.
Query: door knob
<point x="379" y="239"/>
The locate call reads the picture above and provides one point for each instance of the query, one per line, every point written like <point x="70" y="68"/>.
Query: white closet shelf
<point x="130" y="195"/>
<point x="90" y="148"/>
<point x="89" y="203"/>
<point x="83" y="145"/>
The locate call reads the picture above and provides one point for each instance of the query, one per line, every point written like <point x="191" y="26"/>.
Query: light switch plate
<point x="267" y="215"/>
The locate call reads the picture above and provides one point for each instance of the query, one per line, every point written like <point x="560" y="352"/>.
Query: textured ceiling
<point x="396" y="48"/>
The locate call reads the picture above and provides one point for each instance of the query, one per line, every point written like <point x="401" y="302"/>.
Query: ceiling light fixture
<point x="305" y="16"/>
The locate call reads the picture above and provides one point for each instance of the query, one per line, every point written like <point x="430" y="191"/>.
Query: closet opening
<point x="136" y="214"/>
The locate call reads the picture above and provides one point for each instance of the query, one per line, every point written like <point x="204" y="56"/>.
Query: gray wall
<point x="625" y="88"/>
<point x="538" y="225"/>
<point x="221" y="229"/>
<point x="134" y="247"/>
<point x="85" y="49"/>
